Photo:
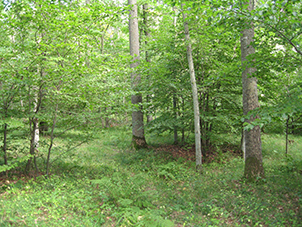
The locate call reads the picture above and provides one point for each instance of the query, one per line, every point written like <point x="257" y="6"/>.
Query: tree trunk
<point x="34" y="122"/>
<point x="242" y="145"/>
<point x="183" y="126"/>
<point x="175" y="117"/>
<point x="51" y="140"/>
<point x="195" y="96"/>
<point x="252" y="138"/>
<point x="138" y="135"/>
<point x="286" y="135"/>
<point x="4" y="147"/>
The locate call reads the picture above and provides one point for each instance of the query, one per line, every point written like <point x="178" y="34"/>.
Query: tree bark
<point x="252" y="138"/>
<point x="138" y="135"/>
<point x="286" y="135"/>
<point x="195" y="96"/>
<point x="34" y="128"/>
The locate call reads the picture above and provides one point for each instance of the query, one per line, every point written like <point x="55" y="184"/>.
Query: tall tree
<point x="252" y="138"/>
<point x="138" y="135"/>
<point x="195" y="95"/>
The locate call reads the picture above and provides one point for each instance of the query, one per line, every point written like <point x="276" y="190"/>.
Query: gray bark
<point x="195" y="96"/>
<point x="252" y="138"/>
<point x="138" y="135"/>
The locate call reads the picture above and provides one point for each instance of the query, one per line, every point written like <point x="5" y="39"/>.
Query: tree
<point x="195" y="96"/>
<point x="44" y="64"/>
<point x="252" y="137"/>
<point x="138" y="135"/>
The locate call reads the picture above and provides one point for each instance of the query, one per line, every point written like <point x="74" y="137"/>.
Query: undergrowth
<point x="105" y="183"/>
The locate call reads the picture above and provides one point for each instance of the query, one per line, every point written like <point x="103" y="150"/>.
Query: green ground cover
<point x="105" y="183"/>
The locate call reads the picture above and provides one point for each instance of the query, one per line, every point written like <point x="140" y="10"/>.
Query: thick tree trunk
<point x="138" y="139"/>
<point x="252" y="138"/>
<point x="195" y="96"/>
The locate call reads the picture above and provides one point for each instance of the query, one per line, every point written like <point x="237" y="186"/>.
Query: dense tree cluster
<point x="66" y="65"/>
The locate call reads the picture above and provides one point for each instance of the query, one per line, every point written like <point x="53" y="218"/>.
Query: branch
<point x="281" y="35"/>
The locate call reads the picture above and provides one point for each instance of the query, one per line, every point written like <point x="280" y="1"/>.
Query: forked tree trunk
<point x="34" y="128"/>
<point x="138" y="135"/>
<point x="252" y="138"/>
<point x="195" y="96"/>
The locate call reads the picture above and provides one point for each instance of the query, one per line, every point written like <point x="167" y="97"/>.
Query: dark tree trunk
<point x="286" y="135"/>
<point x="175" y="117"/>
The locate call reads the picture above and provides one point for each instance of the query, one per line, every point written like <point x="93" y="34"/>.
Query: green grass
<point x="105" y="183"/>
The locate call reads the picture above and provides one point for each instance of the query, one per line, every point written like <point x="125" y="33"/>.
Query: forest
<point x="151" y="113"/>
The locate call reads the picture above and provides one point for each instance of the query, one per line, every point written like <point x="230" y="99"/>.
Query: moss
<point x="253" y="169"/>
<point x="138" y="143"/>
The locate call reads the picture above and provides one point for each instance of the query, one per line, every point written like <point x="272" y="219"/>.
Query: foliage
<point x="47" y="73"/>
<point x="65" y="64"/>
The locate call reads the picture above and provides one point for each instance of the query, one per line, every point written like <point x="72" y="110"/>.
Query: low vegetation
<point x="105" y="183"/>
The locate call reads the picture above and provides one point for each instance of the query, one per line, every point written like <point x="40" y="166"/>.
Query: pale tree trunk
<point x="138" y="135"/>
<point x="252" y="138"/>
<point x="195" y="96"/>
<point x="34" y="129"/>
<point x="36" y="122"/>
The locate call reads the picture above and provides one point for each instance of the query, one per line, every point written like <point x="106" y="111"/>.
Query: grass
<point x="105" y="183"/>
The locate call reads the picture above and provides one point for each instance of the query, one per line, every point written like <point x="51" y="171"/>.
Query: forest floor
<point x="105" y="183"/>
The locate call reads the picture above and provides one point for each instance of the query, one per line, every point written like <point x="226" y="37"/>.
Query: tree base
<point x="253" y="169"/>
<point x="138" y="143"/>
<point x="199" y="168"/>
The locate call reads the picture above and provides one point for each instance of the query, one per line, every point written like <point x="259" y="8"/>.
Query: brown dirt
<point x="187" y="152"/>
